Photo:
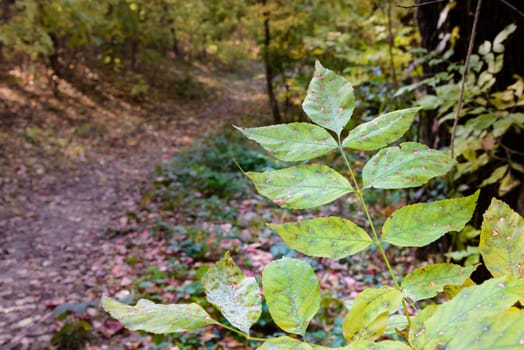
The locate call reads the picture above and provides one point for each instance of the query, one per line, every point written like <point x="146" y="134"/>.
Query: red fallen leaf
<point x="52" y="303"/>
<point x="111" y="327"/>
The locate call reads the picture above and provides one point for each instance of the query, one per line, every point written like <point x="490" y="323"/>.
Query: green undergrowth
<point x="201" y="205"/>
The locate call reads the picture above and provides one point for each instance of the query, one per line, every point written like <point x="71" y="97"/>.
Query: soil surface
<point x="73" y="166"/>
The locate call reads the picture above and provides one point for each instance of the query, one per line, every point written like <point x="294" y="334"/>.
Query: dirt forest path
<point x="55" y="222"/>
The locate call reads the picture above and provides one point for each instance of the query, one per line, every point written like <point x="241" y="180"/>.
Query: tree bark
<point x="494" y="16"/>
<point x="270" y="75"/>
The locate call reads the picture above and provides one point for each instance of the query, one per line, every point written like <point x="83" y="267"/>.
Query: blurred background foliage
<point x="396" y="55"/>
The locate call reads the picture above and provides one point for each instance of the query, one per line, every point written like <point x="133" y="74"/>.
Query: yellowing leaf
<point x="330" y="100"/>
<point x="292" y="293"/>
<point x="426" y="281"/>
<point x="501" y="331"/>
<point x="235" y="295"/>
<point x="294" y="141"/>
<point x="380" y="131"/>
<point x="329" y="237"/>
<point x="303" y="186"/>
<point x="411" y="165"/>
<point x="419" y="224"/>
<point x="502" y="240"/>
<point x="284" y="343"/>
<point x="155" y="318"/>
<point x="462" y="313"/>
<point x="368" y="316"/>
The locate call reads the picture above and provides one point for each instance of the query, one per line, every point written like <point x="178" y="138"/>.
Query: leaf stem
<point x="464" y="76"/>
<point x="241" y="333"/>
<point x="375" y="237"/>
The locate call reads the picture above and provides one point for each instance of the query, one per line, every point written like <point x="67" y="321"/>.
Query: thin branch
<point x="421" y="4"/>
<point x="514" y="8"/>
<point x="464" y="75"/>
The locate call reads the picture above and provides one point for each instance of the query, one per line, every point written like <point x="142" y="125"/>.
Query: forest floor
<point x="74" y="163"/>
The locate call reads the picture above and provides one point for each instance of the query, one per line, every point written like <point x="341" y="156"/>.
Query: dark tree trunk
<point x="494" y="16"/>
<point x="270" y="74"/>
<point x="134" y="53"/>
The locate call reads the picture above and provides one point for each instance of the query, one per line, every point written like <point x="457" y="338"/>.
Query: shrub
<point x="466" y="316"/>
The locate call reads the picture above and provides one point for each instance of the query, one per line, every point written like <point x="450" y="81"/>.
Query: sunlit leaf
<point x="294" y="141"/>
<point x="368" y="317"/>
<point x="495" y="176"/>
<point x="426" y="281"/>
<point x="330" y="237"/>
<point x="156" y="318"/>
<point x="411" y="165"/>
<point x="380" y="131"/>
<point x="303" y="186"/>
<point x="462" y="313"/>
<point x="292" y="293"/>
<point x="238" y="297"/>
<point x="502" y="240"/>
<point x="284" y="343"/>
<point x="502" y="36"/>
<point x="419" y="224"/>
<point x="508" y="183"/>
<point x="330" y="100"/>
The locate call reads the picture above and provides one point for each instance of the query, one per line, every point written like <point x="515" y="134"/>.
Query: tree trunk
<point x="494" y="16"/>
<point x="277" y="118"/>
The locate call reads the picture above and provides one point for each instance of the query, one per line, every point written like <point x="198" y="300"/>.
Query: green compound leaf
<point x="380" y="131"/>
<point x="301" y="187"/>
<point x="368" y="317"/>
<point x="502" y="331"/>
<point x="330" y="100"/>
<point x="284" y="343"/>
<point x="292" y="294"/>
<point x="328" y="237"/>
<point x="156" y="318"/>
<point x="420" y="224"/>
<point x="426" y="281"/>
<point x="455" y="317"/>
<point x="502" y="240"/>
<point x="411" y="165"/>
<point x="292" y="142"/>
<point x="238" y="297"/>
<point x="367" y="345"/>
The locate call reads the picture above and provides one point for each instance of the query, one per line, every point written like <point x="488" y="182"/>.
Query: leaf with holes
<point x="292" y="294"/>
<point x="328" y="237"/>
<point x="235" y="295"/>
<point x="411" y="165"/>
<point x="502" y="240"/>
<point x="426" y="281"/>
<point x="380" y="131"/>
<point x="301" y="187"/>
<point x="368" y="317"/>
<point x="502" y="331"/>
<point x="156" y="318"/>
<point x="292" y="142"/>
<point x="419" y="224"/>
<point x="330" y="100"/>
<point x="284" y="343"/>
<point x="461" y="314"/>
